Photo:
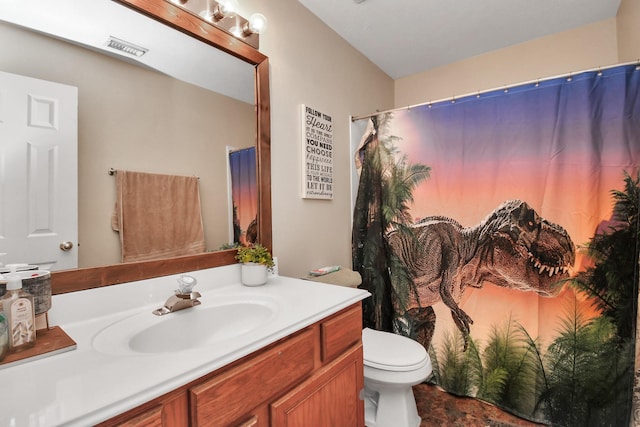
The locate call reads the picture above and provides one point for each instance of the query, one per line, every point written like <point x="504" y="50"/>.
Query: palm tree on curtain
<point x="385" y="191"/>
<point x="457" y="371"/>
<point x="511" y="368"/>
<point x="612" y="281"/>
<point x="584" y="382"/>
<point x="590" y="366"/>
<point x="507" y="371"/>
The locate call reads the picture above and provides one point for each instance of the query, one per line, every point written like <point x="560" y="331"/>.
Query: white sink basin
<point x="211" y="323"/>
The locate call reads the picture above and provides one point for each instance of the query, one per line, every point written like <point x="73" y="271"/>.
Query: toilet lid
<point x="391" y="352"/>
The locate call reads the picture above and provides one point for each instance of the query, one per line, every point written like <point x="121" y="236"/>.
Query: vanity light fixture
<point x="126" y="47"/>
<point x="224" y="15"/>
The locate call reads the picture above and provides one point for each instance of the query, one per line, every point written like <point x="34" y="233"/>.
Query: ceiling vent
<point x="125" y="47"/>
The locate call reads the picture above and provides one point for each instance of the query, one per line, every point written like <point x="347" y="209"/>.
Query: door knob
<point x="66" y="246"/>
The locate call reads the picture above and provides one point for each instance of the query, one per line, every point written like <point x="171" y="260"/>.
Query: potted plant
<point x="256" y="263"/>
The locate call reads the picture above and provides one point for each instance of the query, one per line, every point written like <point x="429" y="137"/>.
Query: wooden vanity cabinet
<point x="311" y="378"/>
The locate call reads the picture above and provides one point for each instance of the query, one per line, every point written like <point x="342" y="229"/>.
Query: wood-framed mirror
<point x="181" y="20"/>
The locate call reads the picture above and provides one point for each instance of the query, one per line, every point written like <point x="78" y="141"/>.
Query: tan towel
<point x="158" y="216"/>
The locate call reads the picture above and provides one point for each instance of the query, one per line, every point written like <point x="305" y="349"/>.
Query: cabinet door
<point x="330" y="398"/>
<point x="227" y="399"/>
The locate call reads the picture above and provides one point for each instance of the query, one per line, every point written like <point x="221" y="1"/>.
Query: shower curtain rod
<point x="451" y="98"/>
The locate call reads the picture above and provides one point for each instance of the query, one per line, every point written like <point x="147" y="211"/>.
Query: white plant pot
<point x="253" y="274"/>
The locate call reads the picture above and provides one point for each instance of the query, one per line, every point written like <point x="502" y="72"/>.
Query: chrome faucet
<point x="184" y="297"/>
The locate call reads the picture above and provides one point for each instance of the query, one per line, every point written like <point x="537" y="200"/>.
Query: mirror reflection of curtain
<point x="465" y="224"/>
<point x="244" y="195"/>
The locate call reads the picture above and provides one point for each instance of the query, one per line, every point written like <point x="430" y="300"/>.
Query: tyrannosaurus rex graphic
<point x="513" y="247"/>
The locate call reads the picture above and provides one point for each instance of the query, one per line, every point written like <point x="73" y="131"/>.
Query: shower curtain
<point x="500" y="231"/>
<point x="244" y="195"/>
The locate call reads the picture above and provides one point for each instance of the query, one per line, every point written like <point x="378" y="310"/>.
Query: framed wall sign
<point x="317" y="154"/>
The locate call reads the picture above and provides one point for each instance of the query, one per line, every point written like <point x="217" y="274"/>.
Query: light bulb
<point x="257" y="24"/>
<point x="229" y="7"/>
<point x="225" y="8"/>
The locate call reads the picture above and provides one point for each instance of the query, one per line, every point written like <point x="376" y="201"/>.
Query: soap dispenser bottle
<point x="18" y="308"/>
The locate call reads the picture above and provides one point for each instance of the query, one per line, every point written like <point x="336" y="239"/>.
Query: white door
<point x="38" y="172"/>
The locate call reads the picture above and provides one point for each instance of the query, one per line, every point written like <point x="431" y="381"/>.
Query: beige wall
<point x="629" y="31"/>
<point x="126" y="113"/>
<point x="575" y="50"/>
<point x="311" y="65"/>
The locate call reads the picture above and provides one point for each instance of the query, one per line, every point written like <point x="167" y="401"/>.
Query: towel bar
<point x="112" y="172"/>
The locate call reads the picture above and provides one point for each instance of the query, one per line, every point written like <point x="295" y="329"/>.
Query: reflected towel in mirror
<point x="157" y="216"/>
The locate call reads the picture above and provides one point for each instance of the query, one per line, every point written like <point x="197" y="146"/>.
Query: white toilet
<point x="392" y="365"/>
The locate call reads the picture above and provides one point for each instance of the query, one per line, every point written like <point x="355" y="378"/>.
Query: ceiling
<point x="405" y="37"/>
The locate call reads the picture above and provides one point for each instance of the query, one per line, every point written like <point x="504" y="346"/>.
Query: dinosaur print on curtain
<point x="501" y="232"/>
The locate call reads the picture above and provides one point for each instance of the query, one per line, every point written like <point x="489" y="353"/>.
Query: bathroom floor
<point x="439" y="408"/>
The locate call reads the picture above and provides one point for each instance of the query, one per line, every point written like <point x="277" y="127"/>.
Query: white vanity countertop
<point x="85" y="386"/>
